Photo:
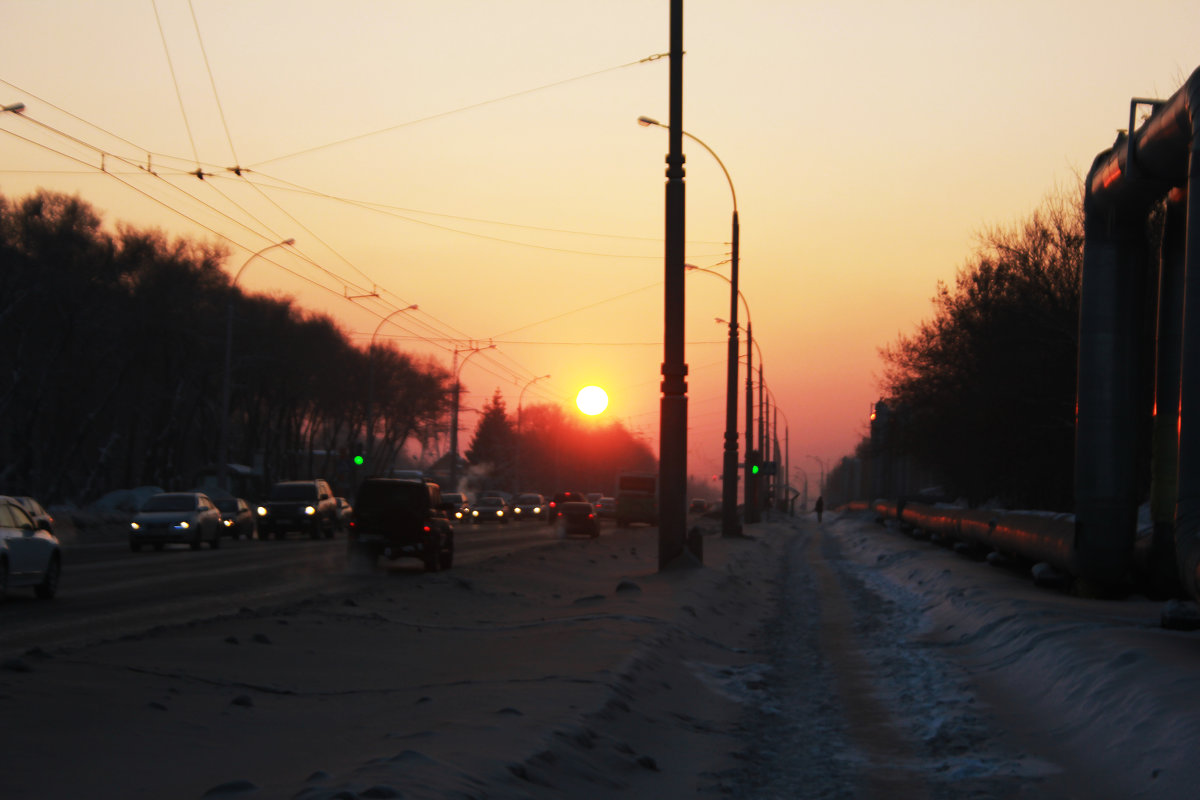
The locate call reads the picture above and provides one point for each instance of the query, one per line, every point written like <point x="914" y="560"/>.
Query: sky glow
<point x="484" y="161"/>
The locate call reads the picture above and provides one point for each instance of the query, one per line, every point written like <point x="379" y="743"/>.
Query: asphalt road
<point x="108" y="591"/>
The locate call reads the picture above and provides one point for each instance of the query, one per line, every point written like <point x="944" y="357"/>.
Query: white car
<point x="29" y="556"/>
<point x="188" y="518"/>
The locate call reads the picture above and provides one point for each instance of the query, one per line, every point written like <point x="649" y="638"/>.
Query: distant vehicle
<point x="237" y="520"/>
<point x="491" y="509"/>
<point x="456" y="506"/>
<point x="637" y="498"/>
<point x="579" y="517"/>
<point x="606" y="507"/>
<point x="398" y="517"/>
<point x="531" y="506"/>
<point x="345" y="512"/>
<point x="42" y="520"/>
<point x="564" y="497"/>
<point x="698" y="506"/>
<point x="189" y="518"/>
<point x="305" y="506"/>
<point x="29" y="555"/>
<point x="594" y="497"/>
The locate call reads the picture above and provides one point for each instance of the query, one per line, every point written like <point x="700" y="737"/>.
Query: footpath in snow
<point x="840" y="660"/>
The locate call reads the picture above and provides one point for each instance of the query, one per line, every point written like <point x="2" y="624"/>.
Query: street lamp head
<point x="646" y="122"/>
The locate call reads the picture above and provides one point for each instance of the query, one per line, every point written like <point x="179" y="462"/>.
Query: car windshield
<point x="226" y="503"/>
<point x="294" y="491"/>
<point x="452" y="498"/>
<point x="170" y="502"/>
<point x="490" y="501"/>
<point x="526" y="499"/>
<point x="392" y="496"/>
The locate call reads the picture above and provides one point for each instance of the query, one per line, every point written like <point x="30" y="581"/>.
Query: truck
<point x="637" y="498"/>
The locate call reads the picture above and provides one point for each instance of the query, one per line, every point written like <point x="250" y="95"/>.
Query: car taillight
<point x="353" y="523"/>
<point x="591" y="516"/>
<point x="427" y="529"/>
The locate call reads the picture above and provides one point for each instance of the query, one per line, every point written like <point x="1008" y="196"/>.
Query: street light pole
<point x="729" y="521"/>
<point x="454" y="412"/>
<point x="821" y="484"/>
<point x="520" y="400"/>
<point x="370" y="444"/>
<point x="673" y="408"/>
<point x="223" y="437"/>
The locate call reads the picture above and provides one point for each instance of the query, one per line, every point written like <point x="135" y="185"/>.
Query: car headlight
<point x="182" y="524"/>
<point x="499" y="512"/>
<point x="227" y="522"/>
<point x="135" y="526"/>
<point x="309" y="511"/>
<point x="537" y="510"/>
<point x="458" y="515"/>
<point x="474" y="513"/>
<point x="516" y="510"/>
<point x="261" y="511"/>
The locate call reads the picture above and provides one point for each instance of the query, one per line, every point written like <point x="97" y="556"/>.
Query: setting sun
<point x="592" y="400"/>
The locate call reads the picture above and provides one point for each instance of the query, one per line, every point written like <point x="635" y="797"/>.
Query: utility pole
<point x="673" y="412"/>
<point x="453" y="487"/>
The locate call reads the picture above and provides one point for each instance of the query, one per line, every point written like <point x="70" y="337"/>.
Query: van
<point x="400" y="517"/>
<point x="637" y="498"/>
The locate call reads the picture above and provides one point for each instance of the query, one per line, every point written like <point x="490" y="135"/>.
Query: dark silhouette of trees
<point x="494" y="443"/>
<point x="564" y="451"/>
<point x="112" y="363"/>
<point x="984" y="392"/>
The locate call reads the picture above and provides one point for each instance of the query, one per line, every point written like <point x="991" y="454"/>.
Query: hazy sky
<point x="483" y="160"/>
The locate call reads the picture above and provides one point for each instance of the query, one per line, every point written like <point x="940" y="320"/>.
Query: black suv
<point x="398" y="517"/>
<point x="305" y="506"/>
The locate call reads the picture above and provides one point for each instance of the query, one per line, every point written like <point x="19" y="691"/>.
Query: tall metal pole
<point x="750" y="491"/>
<point x="672" y="459"/>
<point x="227" y="380"/>
<point x="370" y="443"/>
<point x="453" y="487"/>
<point x="729" y="520"/>
<point x="520" y="400"/>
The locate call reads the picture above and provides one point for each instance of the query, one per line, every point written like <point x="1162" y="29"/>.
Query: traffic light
<point x="358" y="461"/>
<point x="358" y="453"/>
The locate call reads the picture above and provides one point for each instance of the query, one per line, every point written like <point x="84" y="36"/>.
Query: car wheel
<point x="195" y="543"/>
<point x="446" y="560"/>
<point x="215" y="544"/>
<point x="135" y="547"/>
<point x="49" y="585"/>
<point x="3" y="578"/>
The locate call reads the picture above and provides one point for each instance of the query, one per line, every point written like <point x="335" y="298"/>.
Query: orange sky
<point x="482" y="160"/>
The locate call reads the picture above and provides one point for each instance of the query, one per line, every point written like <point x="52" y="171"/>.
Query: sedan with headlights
<point x="189" y="518"/>
<point x="237" y="520"/>
<point x="490" y="509"/>
<point x="531" y="506"/>
<point x="29" y="555"/>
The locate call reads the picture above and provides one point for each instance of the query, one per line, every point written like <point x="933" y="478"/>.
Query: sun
<point x="592" y="400"/>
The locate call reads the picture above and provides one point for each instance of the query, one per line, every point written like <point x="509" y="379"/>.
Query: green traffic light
<point x="358" y="461"/>
<point x="754" y="470"/>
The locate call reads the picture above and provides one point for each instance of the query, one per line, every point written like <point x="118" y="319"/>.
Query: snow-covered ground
<point x="839" y="660"/>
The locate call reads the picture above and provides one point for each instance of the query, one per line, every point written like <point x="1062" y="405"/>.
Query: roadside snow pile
<point x="1096" y="686"/>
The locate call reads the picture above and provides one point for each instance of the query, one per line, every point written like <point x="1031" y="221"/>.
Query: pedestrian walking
<point x="819" y="507"/>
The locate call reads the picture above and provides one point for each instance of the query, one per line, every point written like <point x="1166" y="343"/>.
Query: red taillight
<point x="352" y="523"/>
<point x="427" y="529"/>
<point x="591" y="516"/>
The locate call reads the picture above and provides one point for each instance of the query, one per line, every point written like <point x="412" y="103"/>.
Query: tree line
<point x="112" y="369"/>
<point x="979" y="400"/>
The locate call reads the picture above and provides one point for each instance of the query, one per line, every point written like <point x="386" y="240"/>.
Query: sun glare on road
<point x="592" y="400"/>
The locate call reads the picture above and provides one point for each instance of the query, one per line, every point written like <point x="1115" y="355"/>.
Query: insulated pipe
<point x="1157" y="558"/>
<point x="1106" y="419"/>
<point x="1121" y="187"/>
<point x="1187" y="509"/>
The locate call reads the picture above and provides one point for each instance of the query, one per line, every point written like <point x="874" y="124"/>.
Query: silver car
<point x="188" y="518"/>
<point x="29" y="555"/>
